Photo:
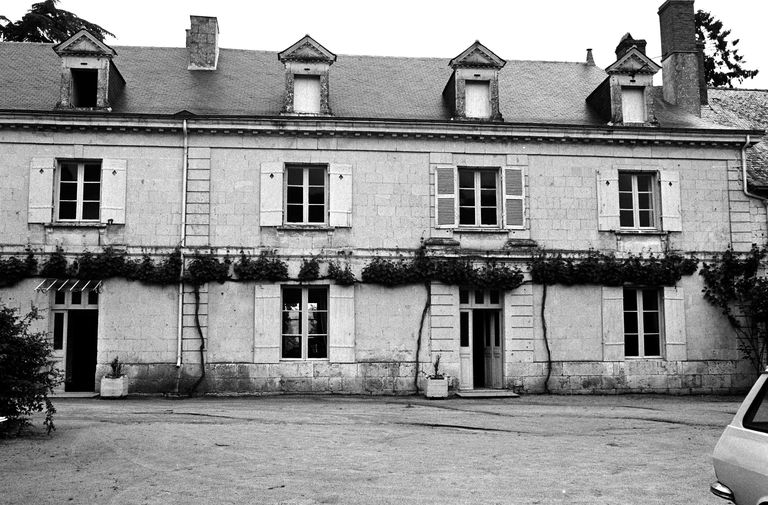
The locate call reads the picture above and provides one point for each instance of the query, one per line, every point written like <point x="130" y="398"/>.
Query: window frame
<point x="80" y="189"/>
<point x="655" y="200"/>
<point x="759" y="405"/>
<point x="304" y="322"/>
<point x="305" y="195"/>
<point x="640" y="320"/>
<point x="477" y="194"/>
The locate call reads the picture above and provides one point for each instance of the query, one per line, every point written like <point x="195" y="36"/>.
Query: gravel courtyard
<point x="331" y="449"/>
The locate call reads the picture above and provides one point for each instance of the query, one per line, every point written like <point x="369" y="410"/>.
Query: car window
<point x="756" y="417"/>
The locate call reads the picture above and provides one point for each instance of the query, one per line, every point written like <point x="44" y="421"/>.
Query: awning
<point x="74" y="285"/>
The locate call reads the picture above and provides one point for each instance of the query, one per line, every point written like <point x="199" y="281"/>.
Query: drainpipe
<point x="744" y="169"/>
<point x="183" y="240"/>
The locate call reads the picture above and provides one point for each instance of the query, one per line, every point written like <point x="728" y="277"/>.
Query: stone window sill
<point x="659" y="233"/>
<point x="75" y="225"/>
<point x="498" y="231"/>
<point x="305" y="227"/>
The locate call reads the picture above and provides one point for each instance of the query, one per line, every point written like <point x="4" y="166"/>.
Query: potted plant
<point x="437" y="382"/>
<point x="115" y="383"/>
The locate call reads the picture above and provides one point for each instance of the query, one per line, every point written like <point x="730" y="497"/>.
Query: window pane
<point x="316" y="176"/>
<point x="91" y="210"/>
<point x="630" y="322"/>
<point x="630" y="299"/>
<point x="316" y="195"/>
<point x="294" y="214"/>
<point x="644" y="183"/>
<point x="464" y="329"/>
<point x="317" y="346"/>
<point x="630" y="345"/>
<point x="59" y="297"/>
<point x="488" y="216"/>
<point x="318" y="323"/>
<point x="466" y="197"/>
<point x="756" y="417"/>
<point x="651" y="322"/>
<point x="646" y="218"/>
<point x="58" y="331"/>
<point x="67" y="191"/>
<point x="91" y="191"/>
<point x="651" y="343"/>
<point x="68" y="172"/>
<point x="625" y="182"/>
<point x="625" y="201"/>
<point x="644" y="201"/>
<point x="317" y="298"/>
<point x="316" y="213"/>
<point x="92" y="172"/>
<point x="494" y="296"/>
<point x="294" y="195"/>
<point x="626" y="219"/>
<point x="479" y="296"/>
<point x="291" y="298"/>
<point x="77" y="297"/>
<point x="467" y="216"/>
<point x="295" y="176"/>
<point x="650" y="299"/>
<point x="466" y="178"/>
<point x="291" y="323"/>
<point x="488" y="198"/>
<point x="463" y="296"/>
<point x="291" y="347"/>
<point x="93" y="297"/>
<point x="488" y="179"/>
<point x="496" y="330"/>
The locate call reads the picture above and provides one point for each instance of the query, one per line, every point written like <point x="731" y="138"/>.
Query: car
<point x="741" y="455"/>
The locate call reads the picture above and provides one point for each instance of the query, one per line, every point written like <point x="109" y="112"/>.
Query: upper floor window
<point x="478" y="197"/>
<point x="477" y="99"/>
<point x="84" y="87"/>
<point x="305" y="194"/>
<point x="637" y="206"/>
<point x="305" y="322"/>
<point x="306" y="94"/>
<point x="642" y="322"/>
<point x="633" y="104"/>
<point x="79" y="191"/>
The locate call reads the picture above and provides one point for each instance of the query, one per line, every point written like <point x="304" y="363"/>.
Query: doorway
<point x="481" y="350"/>
<point x="75" y="336"/>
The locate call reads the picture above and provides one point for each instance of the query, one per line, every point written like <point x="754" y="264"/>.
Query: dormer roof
<point x="633" y="62"/>
<point x="307" y="49"/>
<point x="477" y="56"/>
<point x="84" y="43"/>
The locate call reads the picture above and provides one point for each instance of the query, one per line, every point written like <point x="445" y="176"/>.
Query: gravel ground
<point x="329" y="449"/>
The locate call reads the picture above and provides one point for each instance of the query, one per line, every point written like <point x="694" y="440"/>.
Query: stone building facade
<point x="306" y="154"/>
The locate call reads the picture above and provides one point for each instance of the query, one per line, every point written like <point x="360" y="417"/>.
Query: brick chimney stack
<point x="203" y="43"/>
<point x="626" y="43"/>
<point x="679" y="55"/>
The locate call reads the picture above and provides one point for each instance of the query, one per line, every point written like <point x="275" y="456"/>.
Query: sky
<point x="553" y="30"/>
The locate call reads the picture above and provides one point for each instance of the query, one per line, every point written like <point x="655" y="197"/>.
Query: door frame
<point x="63" y="302"/>
<point x="471" y="300"/>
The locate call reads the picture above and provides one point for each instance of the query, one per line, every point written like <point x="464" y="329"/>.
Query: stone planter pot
<point x="114" y="388"/>
<point x="437" y="388"/>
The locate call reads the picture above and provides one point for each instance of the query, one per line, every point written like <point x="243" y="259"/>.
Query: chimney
<point x="626" y="43"/>
<point x="590" y="58"/>
<point x="203" y="43"/>
<point x="679" y="55"/>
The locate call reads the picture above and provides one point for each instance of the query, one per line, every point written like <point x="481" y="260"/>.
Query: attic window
<point x="84" y="87"/>
<point x="477" y="96"/>
<point x="633" y="104"/>
<point x="306" y="94"/>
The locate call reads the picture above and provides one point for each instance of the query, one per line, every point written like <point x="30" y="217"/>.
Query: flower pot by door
<point x="437" y="388"/>
<point x="114" y="388"/>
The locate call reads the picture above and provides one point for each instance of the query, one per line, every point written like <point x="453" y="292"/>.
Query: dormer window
<point x="633" y="104"/>
<point x="473" y="89"/>
<point x="89" y="78"/>
<point x="307" y="65"/>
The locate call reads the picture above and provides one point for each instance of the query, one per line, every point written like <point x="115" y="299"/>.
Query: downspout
<point x="182" y="240"/>
<point x="744" y="170"/>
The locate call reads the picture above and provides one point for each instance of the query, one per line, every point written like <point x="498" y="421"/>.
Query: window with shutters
<point x="642" y="322"/>
<point x="305" y="194"/>
<point x="478" y="197"/>
<point x="304" y="322"/>
<point x="637" y="200"/>
<point x="78" y="191"/>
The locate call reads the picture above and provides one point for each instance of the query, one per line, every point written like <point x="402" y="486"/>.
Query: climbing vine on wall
<point x="266" y="267"/>
<point x="13" y="269"/>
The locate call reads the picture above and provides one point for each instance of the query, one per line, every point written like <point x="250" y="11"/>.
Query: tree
<point x="46" y="23"/>
<point x="722" y="61"/>
<point x="737" y="285"/>
<point x="27" y="373"/>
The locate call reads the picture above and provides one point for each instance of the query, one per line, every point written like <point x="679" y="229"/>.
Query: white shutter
<point x="341" y="317"/>
<point x="306" y="94"/>
<point x="271" y="194"/>
<point x="613" y="323"/>
<point x="671" y="218"/>
<point x="477" y="101"/>
<point x="113" y="191"/>
<point x="445" y="196"/>
<point x="514" y="197"/>
<point x="340" y="195"/>
<point x="266" y="323"/>
<point x="608" y="199"/>
<point x="40" y="203"/>
<point x="633" y="104"/>
<point x="674" y="324"/>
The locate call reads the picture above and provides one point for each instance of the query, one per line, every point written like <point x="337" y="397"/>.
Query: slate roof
<point x="250" y="83"/>
<point x="744" y="109"/>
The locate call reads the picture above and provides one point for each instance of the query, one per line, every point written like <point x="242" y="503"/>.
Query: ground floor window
<point x="642" y="323"/>
<point x="305" y="322"/>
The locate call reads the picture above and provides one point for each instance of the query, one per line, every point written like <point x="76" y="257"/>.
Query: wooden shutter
<point x="608" y="199"/>
<point x="514" y="197"/>
<point x="477" y="99"/>
<point x="633" y="104"/>
<point x="671" y="218"/>
<point x="113" y="191"/>
<point x="271" y="194"/>
<point x="445" y="196"/>
<point x="341" y="317"/>
<point x="340" y="195"/>
<point x="266" y="323"/>
<point x="40" y="204"/>
<point x="674" y="324"/>
<point x="306" y="94"/>
<point x="613" y="323"/>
